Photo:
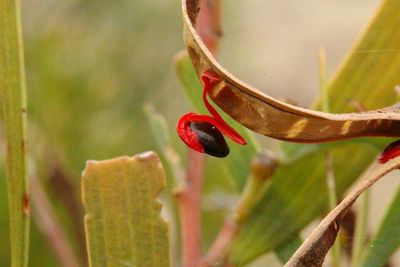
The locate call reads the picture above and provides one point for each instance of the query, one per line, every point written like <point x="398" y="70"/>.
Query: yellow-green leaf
<point x="123" y="222"/>
<point x="13" y="94"/>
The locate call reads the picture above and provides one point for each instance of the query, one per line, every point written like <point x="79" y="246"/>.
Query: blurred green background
<point x="92" y="65"/>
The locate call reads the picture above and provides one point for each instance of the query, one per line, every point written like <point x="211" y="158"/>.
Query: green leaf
<point x="387" y="238"/>
<point x="237" y="164"/>
<point x="158" y="127"/>
<point x="172" y="165"/>
<point x="122" y="222"/>
<point x="297" y="194"/>
<point x="286" y="250"/>
<point x="168" y="154"/>
<point x="13" y="93"/>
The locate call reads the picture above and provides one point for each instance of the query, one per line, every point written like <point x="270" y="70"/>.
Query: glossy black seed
<point x="211" y="138"/>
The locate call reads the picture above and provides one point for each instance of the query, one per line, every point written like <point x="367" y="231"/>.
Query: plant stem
<point x="330" y="176"/>
<point x="331" y="187"/>
<point x="360" y="235"/>
<point x="13" y="93"/>
<point x="209" y="23"/>
<point x="48" y="223"/>
<point x="361" y="226"/>
<point x="323" y="80"/>
<point x="189" y="201"/>
<point x="189" y="197"/>
<point x="60" y="185"/>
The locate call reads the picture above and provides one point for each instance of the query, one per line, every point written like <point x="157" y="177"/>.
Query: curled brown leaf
<point x="271" y="117"/>
<point x="314" y="249"/>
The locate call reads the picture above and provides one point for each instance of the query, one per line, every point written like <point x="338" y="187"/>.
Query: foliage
<point x="90" y="68"/>
<point x="119" y="197"/>
<point x="373" y="92"/>
<point x="13" y="94"/>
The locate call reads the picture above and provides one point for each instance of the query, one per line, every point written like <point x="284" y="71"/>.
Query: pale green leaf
<point x="123" y="222"/>
<point x="13" y="94"/>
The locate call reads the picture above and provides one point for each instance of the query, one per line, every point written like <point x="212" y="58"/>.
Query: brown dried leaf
<point x="314" y="249"/>
<point x="268" y="116"/>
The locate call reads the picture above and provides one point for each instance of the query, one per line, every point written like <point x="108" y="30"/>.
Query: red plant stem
<point x="189" y="202"/>
<point x="209" y="23"/>
<point x="189" y="197"/>
<point x="224" y="238"/>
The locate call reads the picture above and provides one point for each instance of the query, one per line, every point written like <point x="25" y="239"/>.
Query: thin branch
<point x="48" y="223"/>
<point x="332" y="198"/>
<point x="60" y="185"/>
<point x="189" y="195"/>
<point x="189" y="201"/>
<point x="209" y="23"/>
<point x="361" y="229"/>
<point x="330" y="175"/>
<point x="216" y="254"/>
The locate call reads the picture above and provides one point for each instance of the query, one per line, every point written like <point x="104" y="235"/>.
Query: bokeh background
<point x="92" y="65"/>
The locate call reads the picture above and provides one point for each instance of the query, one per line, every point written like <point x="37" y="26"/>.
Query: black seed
<point x="211" y="138"/>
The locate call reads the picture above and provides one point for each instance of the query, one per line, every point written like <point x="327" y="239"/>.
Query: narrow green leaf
<point x="158" y="127"/>
<point x="387" y="239"/>
<point x="123" y="223"/>
<point x="238" y="162"/>
<point x="172" y="165"/>
<point x="13" y="93"/>
<point x="160" y="132"/>
<point x="297" y="195"/>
